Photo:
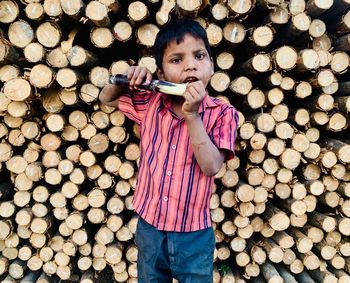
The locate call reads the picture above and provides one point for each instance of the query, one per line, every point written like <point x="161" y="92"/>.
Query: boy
<point x="184" y="142"/>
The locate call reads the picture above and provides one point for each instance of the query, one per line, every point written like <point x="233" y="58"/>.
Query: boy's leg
<point x="153" y="261"/>
<point x="191" y="256"/>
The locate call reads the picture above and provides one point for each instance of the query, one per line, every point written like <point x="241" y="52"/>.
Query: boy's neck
<point x="176" y="105"/>
<point x="176" y="99"/>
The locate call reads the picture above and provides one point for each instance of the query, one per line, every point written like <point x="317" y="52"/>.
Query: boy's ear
<point x="160" y="74"/>
<point x="212" y="65"/>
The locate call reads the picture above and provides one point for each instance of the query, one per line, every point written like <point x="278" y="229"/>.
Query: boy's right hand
<point x="138" y="76"/>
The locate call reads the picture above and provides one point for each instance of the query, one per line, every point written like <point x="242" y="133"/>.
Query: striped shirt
<point x="172" y="192"/>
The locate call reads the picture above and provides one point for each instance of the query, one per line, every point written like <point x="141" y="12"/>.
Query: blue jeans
<point x="187" y="257"/>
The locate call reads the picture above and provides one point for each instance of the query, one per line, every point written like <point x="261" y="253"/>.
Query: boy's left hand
<point x="194" y="95"/>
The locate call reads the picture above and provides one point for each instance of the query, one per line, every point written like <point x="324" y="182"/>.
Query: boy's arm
<point x="208" y="156"/>
<point x="110" y="93"/>
<point x="137" y="75"/>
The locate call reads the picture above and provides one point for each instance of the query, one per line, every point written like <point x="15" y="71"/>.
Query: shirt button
<point x="165" y="198"/>
<point x="169" y="173"/>
<point x="173" y="146"/>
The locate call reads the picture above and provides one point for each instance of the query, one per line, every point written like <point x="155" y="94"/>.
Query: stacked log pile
<point x="68" y="164"/>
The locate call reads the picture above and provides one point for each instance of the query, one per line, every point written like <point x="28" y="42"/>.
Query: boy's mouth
<point x="190" y="80"/>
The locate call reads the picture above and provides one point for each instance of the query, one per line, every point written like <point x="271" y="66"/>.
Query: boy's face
<point x="186" y="62"/>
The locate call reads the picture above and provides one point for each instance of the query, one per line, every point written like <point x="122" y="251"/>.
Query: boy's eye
<point x="175" y="60"/>
<point x="200" y="56"/>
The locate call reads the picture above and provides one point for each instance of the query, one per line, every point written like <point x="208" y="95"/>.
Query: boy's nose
<point x="190" y="65"/>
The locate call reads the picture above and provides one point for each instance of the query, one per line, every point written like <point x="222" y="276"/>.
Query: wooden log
<point x="259" y="63"/>
<point x="340" y="148"/>
<point x="80" y="237"/>
<point x="290" y="158"/>
<point x="70" y="133"/>
<point x="80" y="57"/>
<point x="57" y="58"/>
<point x="255" y="176"/>
<point x="287" y="84"/>
<point x="225" y="60"/>
<point x="185" y="9"/>
<point x="18" y="89"/>
<point x="308" y="60"/>
<point x="163" y="14"/>
<point x="270" y="273"/>
<point x="280" y="112"/>
<point x="296" y="6"/>
<point x="16" y="269"/>
<point x="146" y="34"/>
<point x="73" y="9"/>
<point x="285" y="274"/>
<point x="339" y="62"/>
<point x="337" y="122"/>
<point x="341" y="275"/>
<point x="122" y="31"/>
<point x="35" y="11"/>
<point x="53" y="8"/>
<point x="278" y="16"/>
<point x="8" y="53"/>
<point x="303" y="242"/>
<point x="284" y="58"/>
<point x="8" y="72"/>
<point x="299" y="24"/>
<point x="9" y="11"/>
<point x="67" y="77"/>
<point x="97" y="12"/>
<point x="317" y="28"/>
<point x="325" y="275"/>
<point x="342" y="24"/>
<point x="261" y="36"/>
<point x="284" y="130"/>
<point x="264" y="122"/>
<point x="275" y="146"/>
<point x="20" y="33"/>
<point x="214" y="33"/>
<point x="343" y="223"/>
<point x="256" y="99"/>
<point x="341" y="43"/>
<point x="316" y="8"/>
<point x="239" y="9"/>
<point x="102" y="37"/>
<point x="220" y="81"/>
<point x="234" y="33"/>
<point x="277" y="218"/>
<point x="298" y="220"/>
<point x="48" y="34"/>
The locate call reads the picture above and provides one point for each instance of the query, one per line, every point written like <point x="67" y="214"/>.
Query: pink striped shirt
<point x="172" y="192"/>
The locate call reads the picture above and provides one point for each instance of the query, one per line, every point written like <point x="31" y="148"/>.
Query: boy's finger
<point x="195" y="92"/>
<point x="188" y="97"/>
<point x="130" y="71"/>
<point x="148" y="78"/>
<point x="198" y="86"/>
<point x="141" y="77"/>
<point x="134" y="77"/>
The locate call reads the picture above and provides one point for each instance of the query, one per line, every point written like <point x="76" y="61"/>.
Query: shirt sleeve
<point x="225" y="130"/>
<point x="134" y="104"/>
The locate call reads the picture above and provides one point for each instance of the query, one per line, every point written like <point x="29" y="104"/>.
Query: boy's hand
<point x="138" y="76"/>
<point x="194" y="95"/>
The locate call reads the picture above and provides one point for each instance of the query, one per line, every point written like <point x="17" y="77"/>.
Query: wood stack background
<point x="68" y="165"/>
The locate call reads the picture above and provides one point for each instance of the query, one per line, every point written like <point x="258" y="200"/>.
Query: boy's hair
<point x="176" y="30"/>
